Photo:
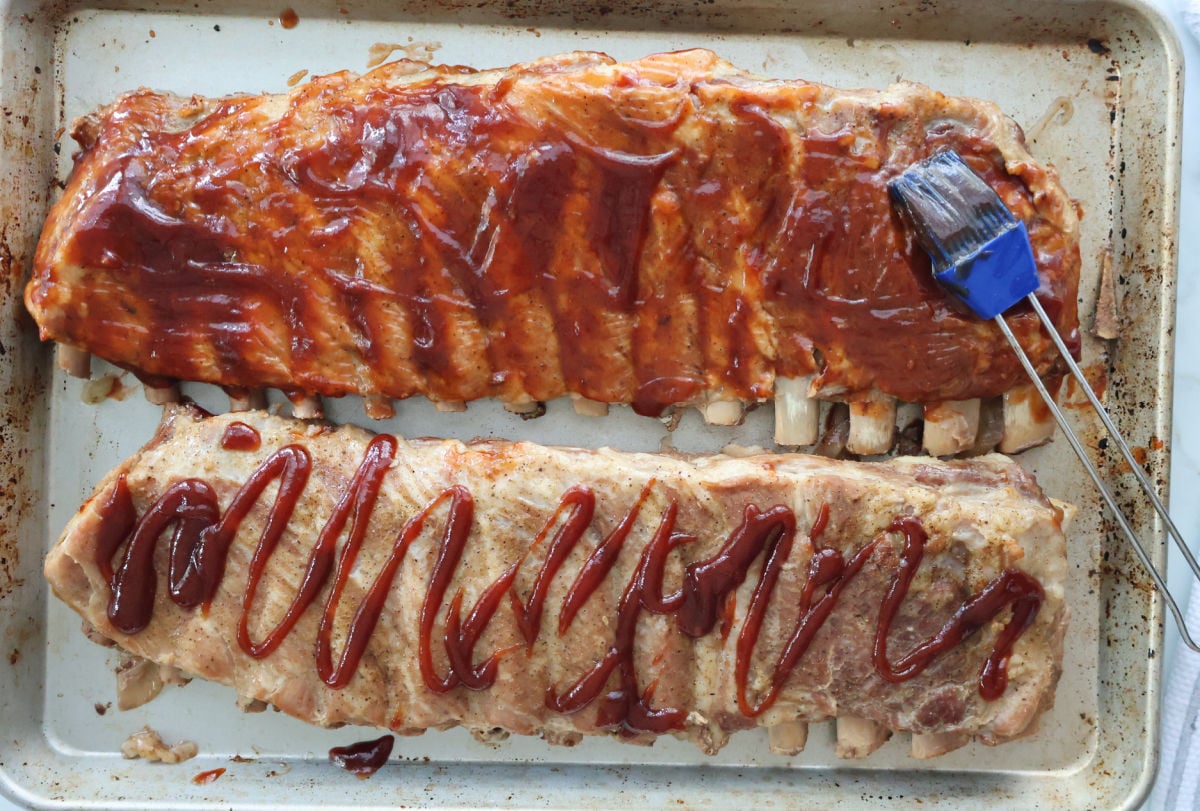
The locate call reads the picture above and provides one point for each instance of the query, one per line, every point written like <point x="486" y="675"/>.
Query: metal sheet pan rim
<point x="574" y="784"/>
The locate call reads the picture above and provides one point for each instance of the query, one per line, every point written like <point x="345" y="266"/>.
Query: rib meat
<point x="665" y="231"/>
<point x="591" y="591"/>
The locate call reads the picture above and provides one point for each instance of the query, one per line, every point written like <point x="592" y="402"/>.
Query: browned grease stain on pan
<point x="20" y="400"/>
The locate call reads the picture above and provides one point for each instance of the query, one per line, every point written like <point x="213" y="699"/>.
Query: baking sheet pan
<point x="1097" y="87"/>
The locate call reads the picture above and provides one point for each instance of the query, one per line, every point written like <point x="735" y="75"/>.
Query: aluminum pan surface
<point x="1095" y="85"/>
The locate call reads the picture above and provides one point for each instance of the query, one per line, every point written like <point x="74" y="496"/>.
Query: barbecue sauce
<point x="657" y="237"/>
<point x="1013" y="588"/>
<point x="210" y="776"/>
<point x="240" y="437"/>
<point x="201" y="534"/>
<point x="364" y="758"/>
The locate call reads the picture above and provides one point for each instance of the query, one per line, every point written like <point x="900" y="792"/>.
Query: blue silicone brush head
<point x="980" y="252"/>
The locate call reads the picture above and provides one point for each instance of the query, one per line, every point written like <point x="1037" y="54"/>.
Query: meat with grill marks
<point x="510" y="587"/>
<point x="663" y="232"/>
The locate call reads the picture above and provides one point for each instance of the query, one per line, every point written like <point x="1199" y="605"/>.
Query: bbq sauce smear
<point x="201" y="534"/>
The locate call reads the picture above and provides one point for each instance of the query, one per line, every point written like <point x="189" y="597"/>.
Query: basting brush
<point x="981" y="256"/>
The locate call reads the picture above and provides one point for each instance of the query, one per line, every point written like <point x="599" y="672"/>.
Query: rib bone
<point x="379" y="406"/>
<point x="934" y="744"/>
<point x="75" y="362"/>
<point x="872" y="425"/>
<point x="1027" y="420"/>
<point x="247" y="400"/>
<point x="308" y="407"/>
<point x="951" y="427"/>
<point x="162" y="395"/>
<point x="858" y="737"/>
<point x="788" y="738"/>
<point x="797" y="416"/>
<point x="723" y="412"/>
<point x="450" y="406"/>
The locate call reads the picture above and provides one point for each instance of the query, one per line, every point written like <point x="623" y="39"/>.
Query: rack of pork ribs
<point x="665" y="233"/>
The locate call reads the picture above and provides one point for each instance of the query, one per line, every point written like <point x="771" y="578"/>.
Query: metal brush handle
<point x="1147" y="488"/>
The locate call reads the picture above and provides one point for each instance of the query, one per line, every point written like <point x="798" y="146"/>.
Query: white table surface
<point x="1185" y="446"/>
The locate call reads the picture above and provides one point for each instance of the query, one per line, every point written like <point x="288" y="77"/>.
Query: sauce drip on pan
<point x="364" y="758"/>
<point x="210" y="776"/>
<point x="201" y="535"/>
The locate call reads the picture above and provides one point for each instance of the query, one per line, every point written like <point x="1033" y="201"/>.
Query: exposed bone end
<point x="858" y="737"/>
<point x="99" y="389"/>
<point x="742" y="451"/>
<point x="935" y="744"/>
<point x="139" y="680"/>
<point x="252" y="400"/>
<point x="708" y="736"/>
<point x="951" y="427"/>
<point x="1027" y="420"/>
<point x="379" y="406"/>
<point x="797" y="416"/>
<point x="162" y="395"/>
<point x="247" y="399"/>
<point x="251" y="705"/>
<point x="74" y="361"/>
<point x="723" y="412"/>
<point x="450" y="406"/>
<point x="788" y="738"/>
<point x="307" y="407"/>
<point x="872" y="425"/>
<point x="589" y="408"/>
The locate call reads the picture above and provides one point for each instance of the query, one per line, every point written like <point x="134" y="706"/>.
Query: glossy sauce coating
<point x="201" y="533"/>
<point x="241" y="437"/>
<point x="364" y="758"/>
<point x="640" y="233"/>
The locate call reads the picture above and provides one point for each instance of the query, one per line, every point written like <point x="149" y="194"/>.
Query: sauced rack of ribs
<point x="510" y="587"/>
<point x="666" y="232"/>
